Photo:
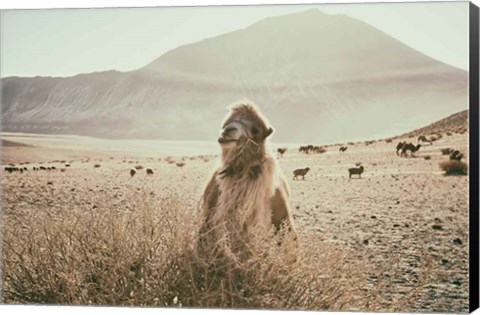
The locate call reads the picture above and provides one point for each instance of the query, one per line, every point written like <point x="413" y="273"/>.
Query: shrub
<point x="138" y="167"/>
<point x="146" y="256"/>
<point x="453" y="167"/>
<point x="427" y="157"/>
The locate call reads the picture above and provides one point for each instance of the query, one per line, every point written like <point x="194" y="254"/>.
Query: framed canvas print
<point x="319" y="157"/>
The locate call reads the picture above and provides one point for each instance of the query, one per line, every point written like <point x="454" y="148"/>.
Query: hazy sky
<point x="68" y="42"/>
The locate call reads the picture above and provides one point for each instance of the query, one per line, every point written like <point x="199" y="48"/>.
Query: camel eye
<point x="254" y="131"/>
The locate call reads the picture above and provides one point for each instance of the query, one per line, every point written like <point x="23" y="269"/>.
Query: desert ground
<point x="403" y="221"/>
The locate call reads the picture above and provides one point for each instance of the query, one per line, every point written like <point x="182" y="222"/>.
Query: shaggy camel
<point x="248" y="190"/>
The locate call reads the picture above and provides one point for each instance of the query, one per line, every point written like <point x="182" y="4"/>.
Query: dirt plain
<point x="403" y="219"/>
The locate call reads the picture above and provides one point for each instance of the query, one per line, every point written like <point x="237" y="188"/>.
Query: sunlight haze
<point x="71" y="41"/>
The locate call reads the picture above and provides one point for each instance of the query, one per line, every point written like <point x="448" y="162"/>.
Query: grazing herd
<point x="133" y="171"/>
<point x="307" y="149"/>
<point x="12" y="169"/>
<point x="403" y="149"/>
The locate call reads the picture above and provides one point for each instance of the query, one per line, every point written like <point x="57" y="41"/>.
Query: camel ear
<point x="268" y="132"/>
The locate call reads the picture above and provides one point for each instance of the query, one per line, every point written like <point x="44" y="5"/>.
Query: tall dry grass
<point x="148" y="257"/>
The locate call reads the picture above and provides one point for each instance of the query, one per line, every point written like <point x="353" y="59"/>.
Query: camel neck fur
<point x="244" y="160"/>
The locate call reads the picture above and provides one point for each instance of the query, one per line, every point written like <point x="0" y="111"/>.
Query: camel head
<point x="244" y="123"/>
<point x="243" y="136"/>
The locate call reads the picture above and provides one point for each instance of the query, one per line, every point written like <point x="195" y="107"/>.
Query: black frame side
<point x="474" y="173"/>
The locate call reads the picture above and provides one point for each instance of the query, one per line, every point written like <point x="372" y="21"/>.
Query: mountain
<point x="456" y="123"/>
<point x="319" y="78"/>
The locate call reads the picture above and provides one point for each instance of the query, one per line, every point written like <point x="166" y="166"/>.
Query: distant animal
<point x="343" y="149"/>
<point x="300" y="172"/>
<point x="149" y="171"/>
<point x="400" y="146"/>
<point x="456" y="155"/>
<point x="423" y="139"/>
<point x="410" y="147"/>
<point x="281" y="151"/>
<point x="355" y="171"/>
<point x="132" y="172"/>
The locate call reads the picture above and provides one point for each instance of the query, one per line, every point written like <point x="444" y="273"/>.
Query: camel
<point x="248" y="190"/>
<point x="423" y="139"/>
<point x="410" y="147"/>
<point x="400" y="146"/>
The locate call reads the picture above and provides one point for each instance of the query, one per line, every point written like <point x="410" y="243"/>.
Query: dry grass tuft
<point x="454" y="167"/>
<point x="146" y="257"/>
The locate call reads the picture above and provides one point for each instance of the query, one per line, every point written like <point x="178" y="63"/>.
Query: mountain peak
<point x="312" y="11"/>
<point x="313" y="14"/>
<point x="335" y="74"/>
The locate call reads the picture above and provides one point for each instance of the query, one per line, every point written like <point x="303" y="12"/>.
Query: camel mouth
<point x="225" y="141"/>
